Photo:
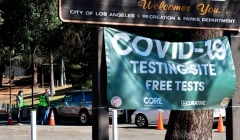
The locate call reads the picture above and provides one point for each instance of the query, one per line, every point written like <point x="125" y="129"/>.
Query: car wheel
<point x="141" y="121"/>
<point x="84" y="118"/>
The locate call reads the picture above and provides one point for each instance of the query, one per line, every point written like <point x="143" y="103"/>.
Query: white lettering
<point x="149" y="45"/>
<point x="168" y="68"/>
<point x="159" y="85"/>
<point x="217" y="49"/>
<point x="123" y="37"/>
<point x="192" y="103"/>
<point x="75" y="12"/>
<point x="218" y="20"/>
<point x="152" y="101"/>
<point x="182" y="47"/>
<point x="89" y="12"/>
<point x="102" y="14"/>
<point x="189" y="85"/>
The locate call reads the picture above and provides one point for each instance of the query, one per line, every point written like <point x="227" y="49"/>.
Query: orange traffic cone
<point x="52" y="121"/>
<point x="220" y="124"/>
<point x="160" y="123"/>
<point x="10" y="121"/>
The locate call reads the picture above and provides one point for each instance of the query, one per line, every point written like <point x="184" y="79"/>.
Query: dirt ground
<point x="21" y="83"/>
<point x="6" y="89"/>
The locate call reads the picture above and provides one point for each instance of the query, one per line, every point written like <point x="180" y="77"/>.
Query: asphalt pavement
<point x="70" y="130"/>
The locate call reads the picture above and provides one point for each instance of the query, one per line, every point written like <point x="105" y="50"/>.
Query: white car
<point x="216" y="115"/>
<point x="144" y="117"/>
<point x="119" y="112"/>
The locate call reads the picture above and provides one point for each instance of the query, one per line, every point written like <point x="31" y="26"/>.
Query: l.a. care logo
<point x="116" y="101"/>
<point x="225" y="101"/>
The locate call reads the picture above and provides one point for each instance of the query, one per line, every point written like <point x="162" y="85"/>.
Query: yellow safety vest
<point x="43" y="101"/>
<point x="21" y="101"/>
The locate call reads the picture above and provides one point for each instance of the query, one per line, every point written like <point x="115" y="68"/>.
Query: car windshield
<point x="68" y="98"/>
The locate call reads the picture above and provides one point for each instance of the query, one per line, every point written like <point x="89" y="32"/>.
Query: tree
<point x="24" y="25"/>
<point x="12" y="25"/>
<point x="41" y="33"/>
<point x="195" y="124"/>
<point x="3" y="56"/>
<point x="78" y="58"/>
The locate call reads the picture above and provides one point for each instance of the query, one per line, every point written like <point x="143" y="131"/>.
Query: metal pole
<point x="100" y="124"/>
<point x="33" y="125"/>
<point x="114" y="125"/>
<point x="61" y="76"/>
<point x="126" y="115"/>
<point x="10" y="80"/>
<point x="32" y="74"/>
<point x="42" y="77"/>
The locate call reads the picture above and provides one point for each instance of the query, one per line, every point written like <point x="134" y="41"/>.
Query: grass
<point x="29" y="98"/>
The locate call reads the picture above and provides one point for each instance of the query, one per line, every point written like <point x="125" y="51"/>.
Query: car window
<point x="88" y="96"/>
<point x="78" y="97"/>
<point x="68" y="98"/>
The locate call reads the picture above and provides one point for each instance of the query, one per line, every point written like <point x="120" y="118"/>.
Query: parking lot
<point x="69" y="130"/>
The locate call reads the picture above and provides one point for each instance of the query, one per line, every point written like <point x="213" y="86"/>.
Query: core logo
<point x="152" y="101"/>
<point x="192" y="103"/>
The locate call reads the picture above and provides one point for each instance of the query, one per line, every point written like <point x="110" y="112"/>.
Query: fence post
<point x="8" y="108"/>
<point x="0" y="105"/>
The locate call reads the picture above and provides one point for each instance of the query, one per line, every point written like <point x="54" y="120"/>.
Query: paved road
<point x="71" y="131"/>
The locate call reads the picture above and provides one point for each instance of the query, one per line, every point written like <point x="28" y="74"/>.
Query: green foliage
<point x="166" y="34"/>
<point x="25" y="25"/>
<point x="29" y="24"/>
<point x="80" y="77"/>
<point x="76" y="49"/>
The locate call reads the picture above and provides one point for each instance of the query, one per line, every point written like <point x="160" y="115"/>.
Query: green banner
<point x="149" y="73"/>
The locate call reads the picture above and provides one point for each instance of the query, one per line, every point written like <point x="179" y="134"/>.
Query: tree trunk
<point x="2" y="70"/>
<point x="195" y="124"/>
<point x="34" y="67"/>
<point x="52" y="89"/>
<point x="62" y="72"/>
<point x="35" y="75"/>
<point x="1" y="76"/>
<point x="12" y="73"/>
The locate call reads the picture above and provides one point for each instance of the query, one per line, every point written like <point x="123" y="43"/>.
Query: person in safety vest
<point x="44" y="104"/>
<point x="19" y="106"/>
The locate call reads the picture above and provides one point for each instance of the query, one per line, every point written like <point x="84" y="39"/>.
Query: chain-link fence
<point x="7" y="108"/>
